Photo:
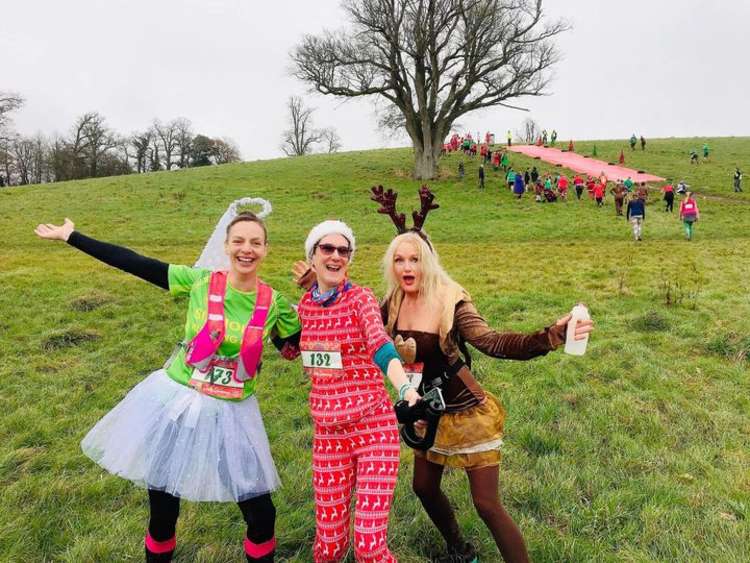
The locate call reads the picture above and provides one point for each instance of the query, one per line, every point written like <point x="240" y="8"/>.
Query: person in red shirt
<point x="562" y="187"/>
<point x="590" y="185"/>
<point x="496" y="160"/>
<point x="668" y="191"/>
<point x="599" y="194"/>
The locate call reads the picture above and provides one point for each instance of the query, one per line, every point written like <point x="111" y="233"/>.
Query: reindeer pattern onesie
<point x="356" y="442"/>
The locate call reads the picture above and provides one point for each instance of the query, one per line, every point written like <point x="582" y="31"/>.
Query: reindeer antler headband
<point x="387" y="201"/>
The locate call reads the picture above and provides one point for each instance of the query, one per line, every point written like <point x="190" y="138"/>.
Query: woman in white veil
<point x="193" y="429"/>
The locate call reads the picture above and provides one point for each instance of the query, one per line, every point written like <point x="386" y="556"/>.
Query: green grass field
<point x="637" y="451"/>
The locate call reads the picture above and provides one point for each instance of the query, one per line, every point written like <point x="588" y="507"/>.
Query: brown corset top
<point x="458" y="391"/>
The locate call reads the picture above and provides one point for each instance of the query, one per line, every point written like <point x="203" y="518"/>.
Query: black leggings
<point x="258" y="512"/>
<point x="669" y="203"/>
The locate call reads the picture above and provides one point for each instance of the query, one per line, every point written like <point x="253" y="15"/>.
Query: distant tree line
<point x="92" y="149"/>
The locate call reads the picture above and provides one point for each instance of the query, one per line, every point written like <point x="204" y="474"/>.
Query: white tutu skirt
<point x="169" y="437"/>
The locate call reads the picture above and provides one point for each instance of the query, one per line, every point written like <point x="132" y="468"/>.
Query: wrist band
<point x="404" y="388"/>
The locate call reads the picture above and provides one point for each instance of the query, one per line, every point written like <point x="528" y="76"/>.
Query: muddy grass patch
<point x="90" y="301"/>
<point x="650" y="322"/>
<point x="67" y="338"/>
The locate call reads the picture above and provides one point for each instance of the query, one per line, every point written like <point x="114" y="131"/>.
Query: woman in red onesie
<point x="356" y="443"/>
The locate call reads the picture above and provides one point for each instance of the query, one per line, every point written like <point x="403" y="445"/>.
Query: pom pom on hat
<point x="329" y="228"/>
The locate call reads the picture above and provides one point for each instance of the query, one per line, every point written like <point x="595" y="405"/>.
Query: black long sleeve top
<point x="149" y="269"/>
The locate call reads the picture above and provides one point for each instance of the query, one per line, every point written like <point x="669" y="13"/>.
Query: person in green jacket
<point x="628" y="183"/>
<point x="505" y="162"/>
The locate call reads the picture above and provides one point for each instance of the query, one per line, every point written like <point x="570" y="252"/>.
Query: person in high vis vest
<point x="193" y="429"/>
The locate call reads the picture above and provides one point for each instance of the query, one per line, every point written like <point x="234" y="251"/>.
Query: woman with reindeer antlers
<point x="431" y="318"/>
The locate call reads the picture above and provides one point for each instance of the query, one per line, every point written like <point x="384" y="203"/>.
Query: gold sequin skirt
<point x="469" y="439"/>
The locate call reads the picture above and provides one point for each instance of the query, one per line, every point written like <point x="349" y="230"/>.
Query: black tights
<point x="259" y="514"/>
<point x="484" y="492"/>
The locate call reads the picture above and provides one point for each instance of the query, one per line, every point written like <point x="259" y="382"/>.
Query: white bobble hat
<point x="329" y="228"/>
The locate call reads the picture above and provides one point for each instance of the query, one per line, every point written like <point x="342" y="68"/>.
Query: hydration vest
<point x="203" y="347"/>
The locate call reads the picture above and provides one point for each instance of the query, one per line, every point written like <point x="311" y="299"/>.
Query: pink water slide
<point x="579" y="163"/>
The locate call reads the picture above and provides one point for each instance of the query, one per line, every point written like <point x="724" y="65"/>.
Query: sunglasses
<point x="328" y="249"/>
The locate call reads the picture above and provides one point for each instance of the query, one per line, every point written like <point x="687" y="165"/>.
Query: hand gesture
<point x="303" y="274"/>
<point x="583" y="328"/>
<point x="55" y="232"/>
<point x="412" y="396"/>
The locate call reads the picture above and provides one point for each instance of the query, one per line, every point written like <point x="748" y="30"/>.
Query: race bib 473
<point x="218" y="380"/>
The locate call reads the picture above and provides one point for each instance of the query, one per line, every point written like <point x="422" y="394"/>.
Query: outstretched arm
<point x="511" y="345"/>
<point x="149" y="269"/>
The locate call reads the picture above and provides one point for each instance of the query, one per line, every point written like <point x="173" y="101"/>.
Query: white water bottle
<point x="573" y="346"/>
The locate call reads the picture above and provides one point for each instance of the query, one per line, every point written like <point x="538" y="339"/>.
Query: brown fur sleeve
<point x="511" y="345"/>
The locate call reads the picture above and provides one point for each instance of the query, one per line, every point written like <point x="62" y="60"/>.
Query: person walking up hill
<point x="689" y="214"/>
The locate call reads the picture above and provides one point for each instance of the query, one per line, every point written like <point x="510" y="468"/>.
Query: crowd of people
<point x="629" y="198"/>
<point x="486" y="150"/>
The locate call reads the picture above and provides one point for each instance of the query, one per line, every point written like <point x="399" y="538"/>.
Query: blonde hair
<point x="433" y="275"/>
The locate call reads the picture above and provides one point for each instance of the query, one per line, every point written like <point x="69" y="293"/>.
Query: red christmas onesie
<point x="356" y="443"/>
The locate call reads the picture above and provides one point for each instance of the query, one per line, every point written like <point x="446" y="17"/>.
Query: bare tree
<point x="155" y="159"/>
<point x="22" y="152"/>
<point x="30" y="159"/>
<point x="226" y="151"/>
<point x="167" y="133"/>
<point x="9" y="101"/>
<point x="184" y="140"/>
<point x="331" y="140"/>
<point x="6" y="160"/>
<point x="141" y="143"/>
<point x="300" y="137"/>
<point x="78" y="145"/>
<point x="432" y="61"/>
<point x="99" y="139"/>
<point x="40" y="159"/>
<point x="59" y="159"/>
<point x="529" y="132"/>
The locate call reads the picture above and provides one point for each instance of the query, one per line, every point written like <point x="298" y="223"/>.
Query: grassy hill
<point x="638" y="451"/>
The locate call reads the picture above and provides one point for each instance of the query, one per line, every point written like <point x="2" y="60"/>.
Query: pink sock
<point x="258" y="550"/>
<point x="160" y="546"/>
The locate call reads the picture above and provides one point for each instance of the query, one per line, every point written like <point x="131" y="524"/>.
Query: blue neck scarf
<point x="328" y="297"/>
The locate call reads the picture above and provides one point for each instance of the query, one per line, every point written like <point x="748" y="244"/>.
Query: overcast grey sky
<point x="653" y="67"/>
